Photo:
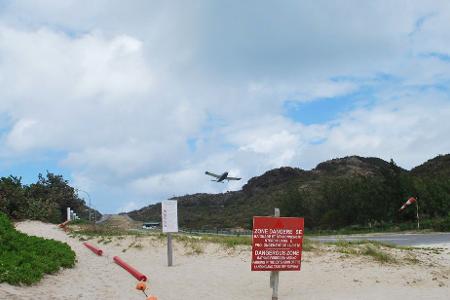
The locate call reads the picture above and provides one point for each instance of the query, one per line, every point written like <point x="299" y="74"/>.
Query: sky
<point x="132" y="101"/>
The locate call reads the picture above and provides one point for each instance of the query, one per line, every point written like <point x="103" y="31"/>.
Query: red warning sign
<point x="277" y="243"/>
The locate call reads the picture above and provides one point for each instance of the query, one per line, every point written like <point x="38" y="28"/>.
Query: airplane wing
<point x="212" y="174"/>
<point x="233" y="178"/>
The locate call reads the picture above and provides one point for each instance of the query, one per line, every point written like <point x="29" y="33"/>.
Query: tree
<point x="12" y="196"/>
<point x="57" y="194"/>
<point x="45" y="200"/>
<point x="295" y="202"/>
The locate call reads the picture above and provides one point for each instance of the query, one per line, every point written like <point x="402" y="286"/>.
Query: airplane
<point x="221" y="178"/>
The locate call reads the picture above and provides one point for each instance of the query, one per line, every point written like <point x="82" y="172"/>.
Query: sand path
<point x="217" y="274"/>
<point x="89" y="279"/>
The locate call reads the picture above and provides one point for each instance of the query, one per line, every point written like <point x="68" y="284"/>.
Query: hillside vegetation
<point x="350" y="191"/>
<point x="46" y="200"/>
<point x="25" y="259"/>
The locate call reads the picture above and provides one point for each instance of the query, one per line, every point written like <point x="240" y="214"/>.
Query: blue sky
<point x="29" y="168"/>
<point x="323" y="110"/>
<point x="132" y="102"/>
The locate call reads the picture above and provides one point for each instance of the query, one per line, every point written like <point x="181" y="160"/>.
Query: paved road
<point x="402" y="239"/>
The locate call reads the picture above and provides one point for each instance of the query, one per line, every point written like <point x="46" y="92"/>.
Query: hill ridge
<point x="311" y="191"/>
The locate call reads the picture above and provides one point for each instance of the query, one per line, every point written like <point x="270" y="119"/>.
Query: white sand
<point x="216" y="274"/>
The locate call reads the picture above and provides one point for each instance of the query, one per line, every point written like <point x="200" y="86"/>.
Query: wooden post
<point x="275" y="275"/>
<point x="169" y="216"/>
<point x="169" y="249"/>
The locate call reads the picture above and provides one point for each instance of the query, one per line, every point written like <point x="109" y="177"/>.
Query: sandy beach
<point x="219" y="273"/>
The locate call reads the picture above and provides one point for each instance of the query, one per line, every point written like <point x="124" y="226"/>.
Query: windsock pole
<point x="417" y="210"/>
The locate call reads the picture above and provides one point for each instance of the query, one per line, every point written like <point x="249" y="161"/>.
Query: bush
<point x="25" y="259"/>
<point x="442" y="224"/>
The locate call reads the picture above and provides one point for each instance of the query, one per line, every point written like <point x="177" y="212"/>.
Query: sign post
<point x="277" y="246"/>
<point x="169" y="216"/>
<point x="275" y="275"/>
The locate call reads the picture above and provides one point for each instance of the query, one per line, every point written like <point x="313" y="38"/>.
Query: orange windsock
<point x="410" y="201"/>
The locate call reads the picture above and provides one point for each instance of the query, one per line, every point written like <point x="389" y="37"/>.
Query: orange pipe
<point x="139" y="276"/>
<point x="97" y="251"/>
<point x="62" y="225"/>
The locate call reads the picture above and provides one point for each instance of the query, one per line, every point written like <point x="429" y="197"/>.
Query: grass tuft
<point x="228" y="242"/>
<point x="309" y="245"/>
<point x="378" y="254"/>
<point x="374" y="249"/>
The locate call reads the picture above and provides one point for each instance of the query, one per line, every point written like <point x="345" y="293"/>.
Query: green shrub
<point x="25" y="259"/>
<point x="442" y="224"/>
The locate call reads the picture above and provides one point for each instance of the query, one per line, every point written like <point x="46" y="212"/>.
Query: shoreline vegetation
<point x="25" y="259"/>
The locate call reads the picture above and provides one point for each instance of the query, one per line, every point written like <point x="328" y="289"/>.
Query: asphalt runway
<point x="401" y="239"/>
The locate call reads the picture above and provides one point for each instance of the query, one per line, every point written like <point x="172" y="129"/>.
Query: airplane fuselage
<point x="222" y="177"/>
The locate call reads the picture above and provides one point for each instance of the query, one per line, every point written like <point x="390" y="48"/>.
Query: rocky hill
<point x="344" y="191"/>
<point x="438" y="166"/>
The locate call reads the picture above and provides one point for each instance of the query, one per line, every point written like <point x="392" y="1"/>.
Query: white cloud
<point x="121" y="88"/>
<point x="129" y="206"/>
<point x="173" y="184"/>
<point x="69" y="87"/>
<point x="408" y="130"/>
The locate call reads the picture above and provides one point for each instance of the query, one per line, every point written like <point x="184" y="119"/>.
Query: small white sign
<point x="169" y="216"/>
